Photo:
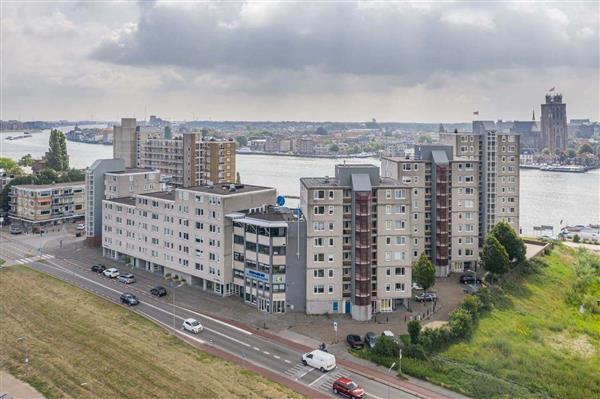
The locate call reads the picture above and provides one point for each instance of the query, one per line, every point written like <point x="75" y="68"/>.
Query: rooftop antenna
<point x="533" y="118"/>
<point x="144" y="113"/>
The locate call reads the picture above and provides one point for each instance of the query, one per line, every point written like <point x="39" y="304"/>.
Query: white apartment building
<point x="183" y="233"/>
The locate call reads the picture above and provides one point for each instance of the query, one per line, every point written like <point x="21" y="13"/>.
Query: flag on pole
<point x="552" y="89"/>
<point x="475" y="112"/>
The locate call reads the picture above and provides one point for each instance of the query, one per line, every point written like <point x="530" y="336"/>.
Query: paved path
<point x="15" y="388"/>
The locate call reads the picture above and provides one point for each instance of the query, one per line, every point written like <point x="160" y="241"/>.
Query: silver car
<point x="126" y="278"/>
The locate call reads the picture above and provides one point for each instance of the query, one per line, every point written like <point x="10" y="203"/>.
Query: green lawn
<point x="532" y="344"/>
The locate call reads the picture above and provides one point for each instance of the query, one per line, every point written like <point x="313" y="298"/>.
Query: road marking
<point x="287" y="361"/>
<point x="266" y="353"/>
<point x="302" y="375"/>
<point x="216" y="320"/>
<point x="317" y="380"/>
<point x="147" y="304"/>
<point x="276" y="357"/>
<point x="256" y="349"/>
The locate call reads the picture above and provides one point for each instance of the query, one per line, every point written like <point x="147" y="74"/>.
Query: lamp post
<point x="388" y="385"/>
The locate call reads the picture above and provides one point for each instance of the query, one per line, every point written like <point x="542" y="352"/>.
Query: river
<point x="546" y="197"/>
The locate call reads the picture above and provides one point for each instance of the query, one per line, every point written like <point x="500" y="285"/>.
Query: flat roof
<point x="55" y="185"/>
<point x="133" y="170"/>
<point x="331" y="182"/>
<point x="166" y="195"/>
<point x="223" y="189"/>
<point x="123" y="200"/>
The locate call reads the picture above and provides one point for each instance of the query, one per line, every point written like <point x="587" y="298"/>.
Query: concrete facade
<point x="124" y="142"/>
<point x="182" y="233"/>
<point x="358" y="252"/>
<point x="554" y="123"/>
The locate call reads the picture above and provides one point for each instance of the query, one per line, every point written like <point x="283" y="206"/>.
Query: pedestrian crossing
<point x="298" y="371"/>
<point x="325" y="383"/>
<point x="37" y="258"/>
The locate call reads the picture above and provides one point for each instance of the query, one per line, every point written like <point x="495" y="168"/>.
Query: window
<point x="331" y="241"/>
<point x="388" y="194"/>
<point x="330" y="226"/>
<point x="330" y="209"/>
<point x="330" y="273"/>
<point x="318" y="273"/>
<point x="330" y="289"/>
<point x="319" y="210"/>
<point x="388" y="287"/>
<point x="400" y="240"/>
<point x="400" y="271"/>
<point x="406" y="166"/>
<point x="319" y="194"/>
<point x="400" y="194"/>
<point x="388" y="209"/>
<point x="318" y="242"/>
<point x="319" y="258"/>
<point x="318" y="226"/>
<point x="400" y="287"/>
<point x="330" y="258"/>
<point x="318" y="289"/>
<point x="331" y="194"/>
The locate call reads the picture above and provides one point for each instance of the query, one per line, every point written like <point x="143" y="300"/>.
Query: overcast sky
<point x="421" y="62"/>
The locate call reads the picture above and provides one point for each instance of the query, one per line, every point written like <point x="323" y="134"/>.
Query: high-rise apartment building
<point x="459" y="191"/>
<point x="185" y="232"/>
<point x="554" y="123"/>
<point x="359" y="249"/>
<point x="188" y="159"/>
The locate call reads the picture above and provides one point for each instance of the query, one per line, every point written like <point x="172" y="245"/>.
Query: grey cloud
<point x="373" y="41"/>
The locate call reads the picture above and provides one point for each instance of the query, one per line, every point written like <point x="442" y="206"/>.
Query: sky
<point x="310" y="61"/>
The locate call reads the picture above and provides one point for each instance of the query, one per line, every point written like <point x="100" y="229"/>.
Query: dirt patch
<point x="578" y="346"/>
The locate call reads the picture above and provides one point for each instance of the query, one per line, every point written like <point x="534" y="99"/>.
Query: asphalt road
<point x="252" y="348"/>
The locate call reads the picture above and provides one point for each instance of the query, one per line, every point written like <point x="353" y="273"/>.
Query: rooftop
<point x="328" y="182"/>
<point x="133" y="170"/>
<point x="226" y="189"/>
<point x="166" y="195"/>
<point x="123" y="200"/>
<point x="55" y="185"/>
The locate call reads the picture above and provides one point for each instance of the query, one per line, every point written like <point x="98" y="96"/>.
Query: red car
<point x="347" y="387"/>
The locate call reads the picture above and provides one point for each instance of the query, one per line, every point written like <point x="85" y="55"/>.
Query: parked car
<point x="469" y="279"/>
<point x="129" y="299"/>
<point x="355" y="341"/>
<point x="320" y="360"/>
<point x="112" y="272"/>
<point x="14" y="229"/>
<point x="126" y="278"/>
<point x="80" y="226"/>
<point x="370" y="339"/>
<point x="98" y="268"/>
<point x="192" y="325"/>
<point x="347" y="387"/>
<point x="471" y="288"/>
<point x="426" y="297"/>
<point x="416" y="286"/>
<point x="159" y="291"/>
<point x="388" y="333"/>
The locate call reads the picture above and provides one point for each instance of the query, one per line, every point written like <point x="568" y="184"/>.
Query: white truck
<point x="320" y="360"/>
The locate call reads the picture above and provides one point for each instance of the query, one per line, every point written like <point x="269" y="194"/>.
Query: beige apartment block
<point x="182" y="233"/>
<point x="357" y="255"/>
<point x="36" y="205"/>
<point x="130" y="182"/>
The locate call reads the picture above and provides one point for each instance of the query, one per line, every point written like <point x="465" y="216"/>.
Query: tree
<point x="571" y="153"/>
<point x="546" y="151"/>
<point x="586" y="148"/>
<point x="334" y="148"/>
<point x="321" y="131"/>
<point x="385" y="347"/>
<point x="238" y="179"/>
<point x="10" y="166"/>
<point x="512" y="243"/>
<point x="72" y="175"/>
<point x="242" y="141"/>
<point x="494" y="258"/>
<point x="425" y="138"/>
<point x="57" y="156"/>
<point x="423" y="272"/>
<point x="414" y="330"/>
<point x="26" y="160"/>
<point x="576" y="238"/>
<point x="461" y="323"/>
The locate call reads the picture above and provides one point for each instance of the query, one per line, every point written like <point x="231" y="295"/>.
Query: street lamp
<point x="389" y="372"/>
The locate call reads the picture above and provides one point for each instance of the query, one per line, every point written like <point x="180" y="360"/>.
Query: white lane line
<point x="266" y="353"/>
<point x="276" y="357"/>
<point x="317" y="380"/>
<point x="302" y="375"/>
<point x="256" y="349"/>
<point x="148" y="304"/>
<point x="287" y="361"/>
<point x="19" y="261"/>
<point x="216" y="320"/>
<point x="370" y="395"/>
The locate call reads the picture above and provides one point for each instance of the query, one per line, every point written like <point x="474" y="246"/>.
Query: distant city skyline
<point x="400" y="62"/>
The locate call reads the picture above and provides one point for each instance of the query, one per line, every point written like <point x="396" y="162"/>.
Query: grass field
<point x="533" y="344"/>
<point x="81" y="346"/>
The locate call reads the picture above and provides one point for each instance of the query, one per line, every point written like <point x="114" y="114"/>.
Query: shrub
<point x="461" y="323"/>
<point x="416" y="351"/>
<point x="472" y="304"/>
<point x="414" y="329"/>
<point x="433" y="340"/>
<point x="486" y="300"/>
<point x="385" y="347"/>
<point x="576" y="238"/>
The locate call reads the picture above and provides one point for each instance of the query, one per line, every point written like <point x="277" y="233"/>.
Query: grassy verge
<point x="532" y="344"/>
<point x="81" y="346"/>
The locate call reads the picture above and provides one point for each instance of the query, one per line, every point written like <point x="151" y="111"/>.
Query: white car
<point x="388" y="333"/>
<point x="192" y="325"/>
<point x="112" y="272"/>
<point x="318" y="359"/>
<point x="80" y="226"/>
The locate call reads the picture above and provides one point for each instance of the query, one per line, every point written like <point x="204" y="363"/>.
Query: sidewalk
<point x="17" y="389"/>
<point x="299" y="331"/>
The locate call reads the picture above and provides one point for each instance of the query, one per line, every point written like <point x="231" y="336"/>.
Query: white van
<point x="320" y="360"/>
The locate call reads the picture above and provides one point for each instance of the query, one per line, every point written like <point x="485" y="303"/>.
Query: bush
<point x="416" y="351"/>
<point x="486" y="299"/>
<point x="414" y="329"/>
<point x="461" y="323"/>
<point x="385" y="347"/>
<point x="472" y="305"/>
<point x="576" y="238"/>
<point x="433" y="340"/>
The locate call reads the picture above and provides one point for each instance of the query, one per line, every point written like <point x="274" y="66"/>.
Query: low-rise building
<point x="40" y="205"/>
